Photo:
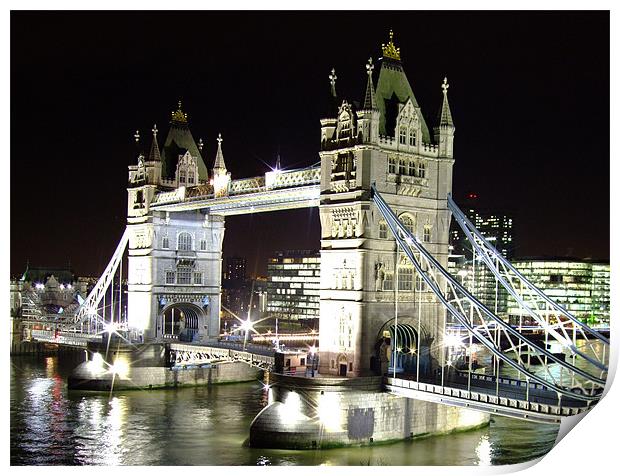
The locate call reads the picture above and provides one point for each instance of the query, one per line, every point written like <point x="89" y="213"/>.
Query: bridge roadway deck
<point x="512" y="400"/>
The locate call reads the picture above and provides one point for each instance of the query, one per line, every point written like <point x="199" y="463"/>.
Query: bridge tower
<point x="387" y="141"/>
<point x="174" y="258"/>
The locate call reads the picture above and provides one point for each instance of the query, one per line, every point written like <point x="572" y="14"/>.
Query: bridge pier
<point x="323" y="412"/>
<point x="148" y="366"/>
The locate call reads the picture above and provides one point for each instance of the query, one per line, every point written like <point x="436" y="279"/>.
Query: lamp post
<point x="312" y="358"/>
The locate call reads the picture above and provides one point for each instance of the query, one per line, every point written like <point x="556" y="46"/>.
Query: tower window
<point x="412" y="137"/>
<point x="412" y="168"/>
<point x="203" y="245"/>
<point x="165" y="243"/>
<point x="427" y="233"/>
<point x="184" y="276"/>
<point x="170" y="277"/>
<point x="421" y="170"/>
<point x="383" y="230"/>
<point x="405" y="279"/>
<point x="402" y="167"/>
<point x="185" y="242"/>
<point x="408" y="223"/>
<point x="420" y="284"/>
<point x="190" y="178"/>
<point x="391" y="165"/>
<point x="197" y="278"/>
<point x="388" y="282"/>
<point x="182" y="176"/>
<point x="403" y="135"/>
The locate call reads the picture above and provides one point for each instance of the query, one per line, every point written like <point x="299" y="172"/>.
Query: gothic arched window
<point x="405" y="278"/>
<point x="383" y="229"/>
<point x="403" y="135"/>
<point x="408" y="222"/>
<point x="184" y="242"/>
<point x="402" y="167"/>
<point x="421" y="170"/>
<point x="412" y="137"/>
<point x="427" y="233"/>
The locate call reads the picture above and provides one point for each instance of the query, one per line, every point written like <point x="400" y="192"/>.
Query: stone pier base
<point x="321" y="412"/>
<point x="147" y="369"/>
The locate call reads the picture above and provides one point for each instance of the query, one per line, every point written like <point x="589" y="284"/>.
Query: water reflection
<point x="209" y="426"/>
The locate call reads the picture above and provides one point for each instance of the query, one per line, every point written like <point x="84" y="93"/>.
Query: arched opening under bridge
<point x="181" y="321"/>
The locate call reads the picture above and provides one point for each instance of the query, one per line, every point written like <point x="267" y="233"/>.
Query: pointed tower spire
<point x="219" y="164"/>
<point x="446" y="115"/>
<point x="370" y="102"/>
<point x="278" y="165"/>
<point x="332" y="82"/>
<point x="154" y="155"/>
<point x="221" y="177"/>
<point x="444" y="132"/>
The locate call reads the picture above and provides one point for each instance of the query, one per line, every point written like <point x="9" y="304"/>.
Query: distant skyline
<point x="529" y="93"/>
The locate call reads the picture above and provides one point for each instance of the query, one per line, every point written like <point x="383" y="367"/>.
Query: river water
<point x="51" y="425"/>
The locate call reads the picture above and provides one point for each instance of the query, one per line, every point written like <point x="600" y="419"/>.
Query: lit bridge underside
<point x="277" y="190"/>
<point x="513" y="400"/>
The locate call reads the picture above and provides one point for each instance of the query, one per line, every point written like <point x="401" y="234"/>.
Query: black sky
<point x="529" y="93"/>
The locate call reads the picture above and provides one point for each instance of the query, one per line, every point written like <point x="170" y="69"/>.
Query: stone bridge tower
<point x="386" y="142"/>
<point x="174" y="259"/>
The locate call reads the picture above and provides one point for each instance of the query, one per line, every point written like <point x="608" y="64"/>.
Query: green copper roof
<point x="393" y="88"/>
<point x="179" y="141"/>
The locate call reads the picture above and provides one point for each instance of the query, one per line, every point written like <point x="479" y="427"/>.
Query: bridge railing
<point x="191" y="354"/>
<point x="447" y="393"/>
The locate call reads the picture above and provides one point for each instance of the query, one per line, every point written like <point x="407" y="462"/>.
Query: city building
<point x="293" y="288"/>
<point x="497" y="227"/>
<point x="580" y="286"/>
<point x="236" y="289"/>
<point x="235" y="269"/>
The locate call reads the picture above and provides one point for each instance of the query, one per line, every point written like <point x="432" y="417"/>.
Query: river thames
<point x="51" y="425"/>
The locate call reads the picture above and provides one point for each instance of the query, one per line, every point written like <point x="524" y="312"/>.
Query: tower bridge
<point x="383" y="190"/>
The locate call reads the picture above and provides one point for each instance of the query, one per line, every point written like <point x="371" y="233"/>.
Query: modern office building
<point x="497" y="228"/>
<point x="293" y="287"/>
<point x="235" y="269"/>
<point x="581" y="287"/>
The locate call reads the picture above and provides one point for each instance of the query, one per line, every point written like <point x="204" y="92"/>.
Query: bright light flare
<point x="313" y="350"/>
<point x="452" y="340"/>
<point x="120" y="368"/>
<point x="329" y="411"/>
<point x="110" y="327"/>
<point x="96" y="364"/>
<point x="291" y="410"/>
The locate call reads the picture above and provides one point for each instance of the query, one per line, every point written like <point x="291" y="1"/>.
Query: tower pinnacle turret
<point x="444" y="132"/>
<point x="221" y="176"/>
<point x="370" y="101"/>
<point x="446" y="115"/>
<point x="154" y="154"/>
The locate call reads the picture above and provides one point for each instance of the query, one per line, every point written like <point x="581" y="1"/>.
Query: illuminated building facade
<point x="293" y="286"/>
<point x="581" y="287"/>
<point x="175" y="259"/>
<point x="497" y="228"/>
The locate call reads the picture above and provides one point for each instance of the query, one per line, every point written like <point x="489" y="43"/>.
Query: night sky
<point x="529" y="94"/>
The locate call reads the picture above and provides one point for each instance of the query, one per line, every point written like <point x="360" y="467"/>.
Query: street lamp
<point x="313" y="350"/>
